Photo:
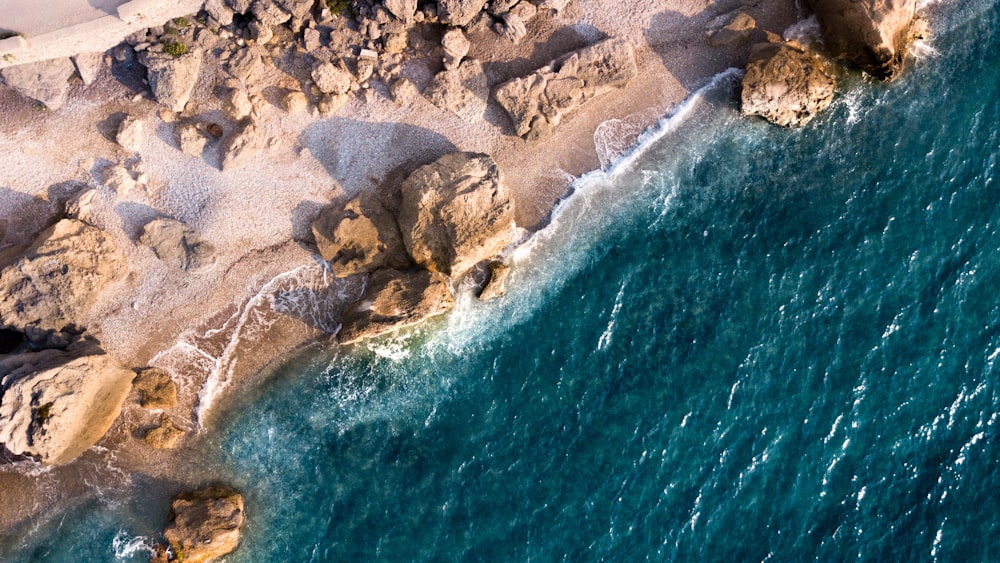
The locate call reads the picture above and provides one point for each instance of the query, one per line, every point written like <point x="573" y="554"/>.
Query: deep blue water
<point x="743" y="344"/>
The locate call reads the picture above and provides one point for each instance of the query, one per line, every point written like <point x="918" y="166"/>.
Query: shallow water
<point x="743" y="343"/>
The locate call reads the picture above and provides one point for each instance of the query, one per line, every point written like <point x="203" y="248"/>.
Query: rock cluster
<point x="538" y="102"/>
<point x="203" y="525"/>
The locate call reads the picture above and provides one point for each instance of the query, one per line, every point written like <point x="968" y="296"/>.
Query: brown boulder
<point x="205" y="524"/>
<point x="456" y="212"/>
<point x="179" y="245"/>
<point x="462" y="90"/>
<point x="157" y="390"/>
<point x="394" y="300"/>
<point x="874" y="34"/>
<point x="785" y="84"/>
<point x="166" y="436"/>
<point x="360" y="237"/>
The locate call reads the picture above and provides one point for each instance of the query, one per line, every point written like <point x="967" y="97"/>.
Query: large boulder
<point x="55" y="404"/>
<point x="205" y="524"/>
<point x="45" y="81"/>
<point x="459" y="12"/>
<point x="455" y="213"/>
<point x="786" y="84"/>
<point x="538" y="102"/>
<point x="360" y="237"/>
<point x="156" y="389"/>
<point x="731" y="30"/>
<point x="462" y="90"/>
<point x="874" y="34"/>
<point x="179" y="245"/>
<point x="172" y="79"/>
<point x="393" y="300"/>
<point x="51" y="287"/>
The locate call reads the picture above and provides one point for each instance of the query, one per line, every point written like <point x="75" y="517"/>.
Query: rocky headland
<point x="180" y="212"/>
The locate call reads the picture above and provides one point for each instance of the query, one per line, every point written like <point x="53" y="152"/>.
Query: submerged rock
<point x="166" y="436"/>
<point x="455" y="213"/>
<point x="205" y="524"/>
<point x="360" y="237"/>
<point x="393" y="300"/>
<point x="45" y="81"/>
<point x="54" y="405"/>
<point x="538" y="102"/>
<point x="172" y="79"/>
<point x="179" y="245"/>
<point x="785" y="84"/>
<point x="874" y="34"/>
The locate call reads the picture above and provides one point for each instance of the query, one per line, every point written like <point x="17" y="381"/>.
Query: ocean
<point x="738" y="343"/>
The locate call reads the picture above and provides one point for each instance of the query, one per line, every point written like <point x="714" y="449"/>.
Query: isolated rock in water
<point x="157" y="390"/>
<point x="459" y="12"/>
<point x="166" y="436"/>
<point x="179" y="245"/>
<point x="242" y="145"/>
<point x="45" y="81"/>
<point x="190" y="138"/>
<point x="496" y="286"/>
<point x="204" y="524"/>
<point x="55" y="405"/>
<point x="402" y="9"/>
<point x="360" y="237"/>
<point x="331" y="79"/>
<point x="56" y="281"/>
<point x="455" y="213"/>
<point x="394" y="300"/>
<point x="131" y="133"/>
<point x="88" y="66"/>
<point x="731" y="30"/>
<point x="462" y="91"/>
<point x="785" y="84"/>
<point x="172" y="79"/>
<point x="538" y="102"/>
<point x="455" y="46"/>
<point x="874" y="34"/>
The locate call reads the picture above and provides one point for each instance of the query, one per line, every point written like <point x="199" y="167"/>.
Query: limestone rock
<point x="538" y="102"/>
<point x="237" y="104"/>
<point x="172" y="79"/>
<point x="512" y="28"/>
<point x="166" y="436"/>
<point x="55" y="405"/>
<point x="242" y="145"/>
<point x="204" y="524"/>
<point x="462" y="91"/>
<point x="45" y="81"/>
<point x="360" y="237"/>
<point x="455" y="46"/>
<point x="456" y="212"/>
<point x="874" y="34"/>
<point x="190" y="138"/>
<point x="269" y="13"/>
<point x="247" y="65"/>
<point x="404" y="10"/>
<point x="403" y="90"/>
<point x="157" y="390"/>
<point x="311" y="39"/>
<point x="785" y="84"/>
<point x="394" y="300"/>
<point x="118" y="178"/>
<point x="295" y="102"/>
<point x="496" y="286"/>
<point x="459" y="12"/>
<point x="88" y="66"/>
<point x="131" y="133"/>
<point x="331" y="79"/>
<point x="219" y="11"/>
<point x="731" y="30"/>
<point x="56" y="281"/>
<point x="239" y="6"/>
<point x="554" y="5"/>
<point x="179" y="245"/>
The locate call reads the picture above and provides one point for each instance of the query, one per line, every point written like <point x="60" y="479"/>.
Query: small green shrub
<point x="181" y="22"/>
<point x="338" y="6"/>
<point x="175" y="48"/>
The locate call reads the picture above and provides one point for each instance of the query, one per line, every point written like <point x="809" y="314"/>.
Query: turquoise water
<point x="743" y="344"/>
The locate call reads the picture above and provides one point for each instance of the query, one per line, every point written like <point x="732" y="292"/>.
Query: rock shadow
<point x="682" y="44"/>
<point x="26" y="216"/>
<point x="302" y="218"/>
<point x="134" y="217"/>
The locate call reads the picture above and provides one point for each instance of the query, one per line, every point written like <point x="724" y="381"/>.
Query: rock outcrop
<point x="55" y="404"/>
<point x="459" y="12"/>
<point x="874" y="34"/>
<point x="51" y="287"/>
<point x="205" y="524"/>
<point x="45" y="81"/>
<point x="157" y="390"/>
<point x="242" y="145"/>
<point x="394" y="300"/>
<point x="496" y="285"/>
<point x="537" y="103"/>
<point x="786" y="84"/>
<point x="455" y="213"/>
<point x="131" y="133"/>
<point x="462" y="90"/>
<point x="360" y="237"/>
<point x="171" y="78"/>
<point x="166" y="436"/>
<point x="731" y="30"/>
<point x="178" y="245"/>
<point x="455" y="45"/>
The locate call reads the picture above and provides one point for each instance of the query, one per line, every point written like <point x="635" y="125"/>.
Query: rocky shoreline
<point x="126" y="313"/>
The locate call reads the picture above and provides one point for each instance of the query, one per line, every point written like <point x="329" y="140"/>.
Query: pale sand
<point x="255" y="215"/>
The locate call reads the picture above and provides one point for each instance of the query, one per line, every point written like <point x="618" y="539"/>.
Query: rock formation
<point x="205" y="524"/>
<point x="455" y="45"/>
<point x="157" y="390"/>
<point x="456" y="212"/>
<point x="360" y="237"/>
<point x="172" y="78"/>
<point x="731" y="30"/>
<point x="496" y="285"/>
<point x="51" y="287"/>
<point x="131" y="133"/>
<point x="786" y="84"/>
<point x="394" y="300"/>
<point x="462" y="90"/>
<point x="166" y="436"/>
<point x="178" y="245"/>
<point x="459" y="12"/>
<point x="55" y="404"/>
<point x="46" y="81"/>
<point x="538" y="102"/>
<point x="874" y="34"/>
<point x="242" y="145"/>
